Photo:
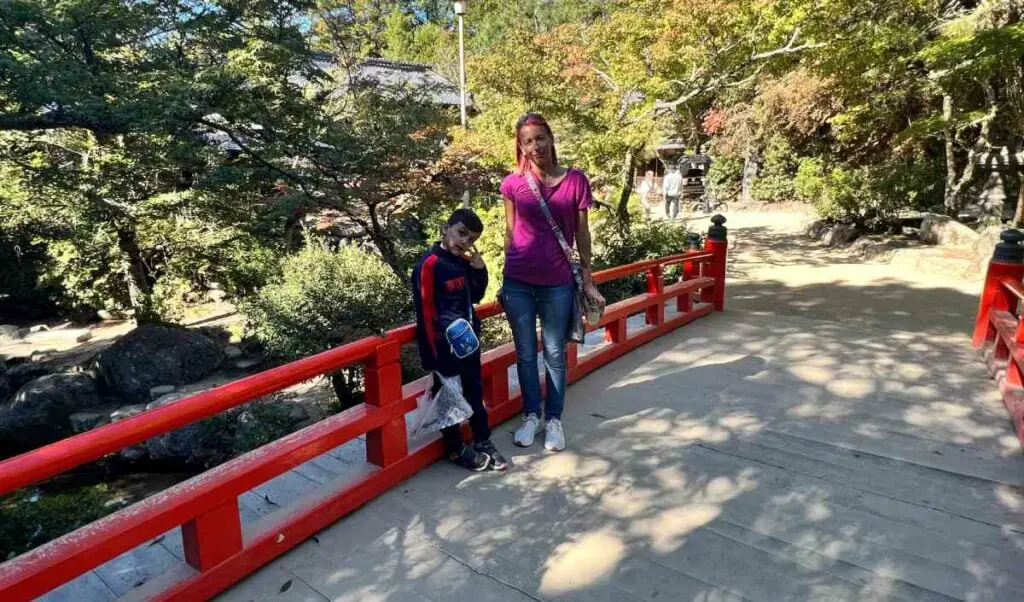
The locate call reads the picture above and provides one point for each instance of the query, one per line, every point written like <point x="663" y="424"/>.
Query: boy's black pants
<point x="473" y="391"/>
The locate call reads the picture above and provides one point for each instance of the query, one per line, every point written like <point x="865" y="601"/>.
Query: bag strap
<point x="554" y="226"/>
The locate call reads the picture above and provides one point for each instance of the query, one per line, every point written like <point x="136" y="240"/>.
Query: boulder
<point x="19" y="376"/>
<point x="9" y="334"/>
<point x="840" y="234"/>
<point x="42" y="355"/>
<point x="152" y="355"/>
<point x="817" y="229"/>
<point x="945" y="231"/>
<point x="41" y="410"/>
<point x="88" y="420"/>
<point x="231" y="352"/>
<point x="83" y="337"/>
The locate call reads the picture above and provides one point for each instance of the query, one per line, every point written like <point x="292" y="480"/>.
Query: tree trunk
<point x="956" y="188"/>
<point x="748" y="177"/>
<point x="949" y="195"/>
<point x="385" y="245"/>
<point x="628" y="173"/>
<point x="140" y="293"/>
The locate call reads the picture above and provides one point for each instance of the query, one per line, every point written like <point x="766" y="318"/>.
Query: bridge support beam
<point x="389" y="443"/>
<point x="1007" y="262"/>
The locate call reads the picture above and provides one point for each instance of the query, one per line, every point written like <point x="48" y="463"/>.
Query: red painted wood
<point x="716" y="269"/>
<point x="50" y="565"/>
<point x="994" y="296"/>
<point x="386" y="444"/>
<point x="615" y="332"/>
<point x="213" y="537"/>
<point x="655" y="314"/>
<point x="53" y="459"/>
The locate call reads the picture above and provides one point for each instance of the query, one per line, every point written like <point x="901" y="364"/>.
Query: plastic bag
<point x="445" y="408"/>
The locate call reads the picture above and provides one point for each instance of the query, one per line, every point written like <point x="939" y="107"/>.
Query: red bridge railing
<point x="219" y="551"/>
<point x="999" y="329"/>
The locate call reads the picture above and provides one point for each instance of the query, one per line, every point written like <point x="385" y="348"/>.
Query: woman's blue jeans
<point x="553" y="304"/>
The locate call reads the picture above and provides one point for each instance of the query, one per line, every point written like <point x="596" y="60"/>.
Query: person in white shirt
<point x="644" y="191"/>
<point x="671" y="188"/>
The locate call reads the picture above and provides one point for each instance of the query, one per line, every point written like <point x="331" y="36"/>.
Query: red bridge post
<point x="717" y="243"/>
<point x="1007" y="262"/>
<point x="387" y="444"/>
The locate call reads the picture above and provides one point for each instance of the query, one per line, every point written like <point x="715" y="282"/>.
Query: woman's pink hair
<point x="522" y="161"/>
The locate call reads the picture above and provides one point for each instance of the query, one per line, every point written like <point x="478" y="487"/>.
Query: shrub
<point x="644" y="240"/>
<point x="725" y="178"/>
<point x="325" y="298"/>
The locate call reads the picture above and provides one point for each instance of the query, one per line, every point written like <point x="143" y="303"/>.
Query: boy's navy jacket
<point x="443" y="287"/>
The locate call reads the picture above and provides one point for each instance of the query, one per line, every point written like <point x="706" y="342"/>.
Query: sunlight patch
<point x="582" y="563"/>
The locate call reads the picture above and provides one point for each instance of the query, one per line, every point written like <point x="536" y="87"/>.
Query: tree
<point x="106" y="112"/>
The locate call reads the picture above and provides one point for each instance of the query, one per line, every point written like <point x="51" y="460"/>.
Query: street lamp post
<point x="460" y="10"/>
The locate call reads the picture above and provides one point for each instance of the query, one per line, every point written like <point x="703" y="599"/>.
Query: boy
<point x="448" y="280"/>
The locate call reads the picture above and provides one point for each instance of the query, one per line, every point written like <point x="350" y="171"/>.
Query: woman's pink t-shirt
<point x="534" y="255"/>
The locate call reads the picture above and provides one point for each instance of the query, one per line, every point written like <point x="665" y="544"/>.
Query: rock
<point x="152" y="355"/>
<point x="945" y="231"/>
<point x="840" y="234"/>
<point x="987" y="240"/>
<point x="19" y="376"/>
<point x="127" y="412"/>
<point x="42" y="355"/>
<point x="38" y="328"/>
<point x="9" y="334"/>
<point x="86" y="421"/>
<point x="40" y="411"/>
<point x="168" y="398"/>
<point x="157" y="392"/>
<point x="105" y="315"/>
<point x="216" y="295"/>
<point x="85" y="336"/>
<point x="247" y="364"/>
<point x="231" y="352"/>
<point x="817" y="229"/>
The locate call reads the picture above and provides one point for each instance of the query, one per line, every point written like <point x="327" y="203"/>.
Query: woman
<point x="538" y="278"/>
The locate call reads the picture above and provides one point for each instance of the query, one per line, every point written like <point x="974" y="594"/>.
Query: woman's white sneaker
<point x="527" y="431"/>
<point x="554" y="436"/>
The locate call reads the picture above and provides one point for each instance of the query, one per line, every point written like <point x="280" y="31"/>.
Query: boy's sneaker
<point x="527" y="431"/>
<point x="498" y="461"/>
<point x="471" y="459"/>
<point x="554" y="436"/>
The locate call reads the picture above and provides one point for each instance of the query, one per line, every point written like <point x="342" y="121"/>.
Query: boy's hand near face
<point x="475" y="258"/>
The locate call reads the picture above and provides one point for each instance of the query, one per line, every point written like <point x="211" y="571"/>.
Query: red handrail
<point x="206" y="506"/>
<point x="55" y="458"/>
<point x="1013" y="286"/>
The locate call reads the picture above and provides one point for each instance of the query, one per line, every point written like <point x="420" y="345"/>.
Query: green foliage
<point x="725" y="178"/>
<point x="775" y="182"/>
<point x="809" y="183"/>
<point x="28" y="519"/>
<point x="869" y="195"/>
<point x="325" y="298"/>
<point x="644" y="240"/>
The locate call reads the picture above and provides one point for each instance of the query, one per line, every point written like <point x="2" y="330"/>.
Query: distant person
<point x="449" y="279"/>
<point x="671" y="188"/>
<point x="645" y="190"/>
<point x="539" y="280"/>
